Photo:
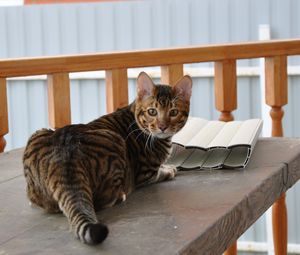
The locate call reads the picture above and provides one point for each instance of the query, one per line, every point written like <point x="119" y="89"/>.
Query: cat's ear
<point x="183" y="88"/>
<point x="145" y="86"/>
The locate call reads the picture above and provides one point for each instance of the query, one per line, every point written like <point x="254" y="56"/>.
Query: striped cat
<point x="79" y="169"/>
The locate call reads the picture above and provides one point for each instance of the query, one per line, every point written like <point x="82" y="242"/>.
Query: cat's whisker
<point x="137" y="129"/>
<point x="146" y="145"/>
<point x="131" y="124"/>
<point x="152" y="141"/>
<point x="139" y="135"/>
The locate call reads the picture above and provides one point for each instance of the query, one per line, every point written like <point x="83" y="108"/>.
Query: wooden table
<point x="200" y="212"/>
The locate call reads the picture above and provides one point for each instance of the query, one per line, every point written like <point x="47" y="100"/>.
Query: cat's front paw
<point x="166" y="172"/>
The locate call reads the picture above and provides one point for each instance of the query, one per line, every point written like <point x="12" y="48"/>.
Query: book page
<point x="247" y="133"/>
<point x="192" y="126"/>
<point x="224" y="137"/>
<point x="204" y="137"/>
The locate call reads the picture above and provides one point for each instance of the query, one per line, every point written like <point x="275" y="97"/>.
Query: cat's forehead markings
<point x="162" y="101"/>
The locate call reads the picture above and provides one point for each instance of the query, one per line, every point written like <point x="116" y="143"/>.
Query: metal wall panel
<point x="84" y="28"/>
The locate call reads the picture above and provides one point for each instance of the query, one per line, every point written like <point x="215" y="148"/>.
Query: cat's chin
<point x="163" y="135"/>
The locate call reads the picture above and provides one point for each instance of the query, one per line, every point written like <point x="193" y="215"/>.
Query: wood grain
<point x="225" y="88"/>
<point x="116" y="89"/>
<point x="171" y="74"/>
<point x="3" y="108"/>
<point x="143" y="58"/>
<point x="59" y="108"/>
<point x="175" y="217"/>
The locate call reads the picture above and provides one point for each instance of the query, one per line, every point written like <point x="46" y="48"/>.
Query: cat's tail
<point x="78" y="207"/>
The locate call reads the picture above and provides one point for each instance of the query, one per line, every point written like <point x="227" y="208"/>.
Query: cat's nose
<point x="162" y="127"/>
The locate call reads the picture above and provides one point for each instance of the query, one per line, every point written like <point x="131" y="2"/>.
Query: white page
<point x="192" y="127"/>
<point x="206" y="135"/>
<point x="247" y="133"/>
<point x="224" y="137"/>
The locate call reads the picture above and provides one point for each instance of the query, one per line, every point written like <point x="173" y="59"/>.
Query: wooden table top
<point x="200" y="212"/>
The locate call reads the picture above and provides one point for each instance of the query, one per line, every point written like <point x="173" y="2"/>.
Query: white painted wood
<point x="260" y="247"/>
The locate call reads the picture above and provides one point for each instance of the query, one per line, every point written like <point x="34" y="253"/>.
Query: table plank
<point x="200" y="212"/>
<point x="11" y="164"/>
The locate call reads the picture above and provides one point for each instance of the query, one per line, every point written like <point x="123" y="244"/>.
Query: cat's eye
<point x="152" y="112"/>
<point x="173" y="112"/>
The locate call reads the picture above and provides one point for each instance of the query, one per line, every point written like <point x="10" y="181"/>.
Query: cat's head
<point x="162" y="110"/>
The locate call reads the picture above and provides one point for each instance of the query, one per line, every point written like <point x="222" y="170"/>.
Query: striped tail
<point x="79" y="209"/>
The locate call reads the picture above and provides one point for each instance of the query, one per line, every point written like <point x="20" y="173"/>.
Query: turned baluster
<point x="59" y="108"/>
<point x="226" y="102"/>
<point x="225" y="88"/>
<point x="170" y="74"/>
<point x="276" y="97"/>
<point x="116" y="89"/>
<point x="3" y="114"/>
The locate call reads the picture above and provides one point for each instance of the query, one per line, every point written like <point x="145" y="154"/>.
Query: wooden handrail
<point x="144" y="58"/>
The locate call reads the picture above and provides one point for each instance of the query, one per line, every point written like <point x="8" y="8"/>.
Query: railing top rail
<point x="143" y="58"/>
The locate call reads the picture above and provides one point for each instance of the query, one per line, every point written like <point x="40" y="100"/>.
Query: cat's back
<point x="38" y="139"/>
<point x="68" y="142"/>
<point x="117" y="121"/>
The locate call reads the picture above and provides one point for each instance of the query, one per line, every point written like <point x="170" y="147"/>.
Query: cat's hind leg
<point x="37" y="196"/>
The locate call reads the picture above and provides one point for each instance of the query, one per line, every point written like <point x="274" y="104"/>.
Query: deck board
<point x="200" y="212"/>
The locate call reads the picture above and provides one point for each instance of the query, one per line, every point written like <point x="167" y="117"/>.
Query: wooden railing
<point x="171" y="61"/>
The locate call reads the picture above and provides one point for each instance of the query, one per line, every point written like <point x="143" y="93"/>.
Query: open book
<point x="214" y="144"/>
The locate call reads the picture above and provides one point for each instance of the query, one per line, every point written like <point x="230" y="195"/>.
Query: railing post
<point x="276" y="97"/>
<point x="225" y="88"/>
<point x="171" y="73"/>
<point x="59" y="108"/>
<point x="3" y="114"/>
<point x="232" y="250"/>
<point x="116" y="89"/>
<point x="226" y="102"/>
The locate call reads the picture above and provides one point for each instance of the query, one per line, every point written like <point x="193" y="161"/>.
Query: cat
<point x="79" y="169"/>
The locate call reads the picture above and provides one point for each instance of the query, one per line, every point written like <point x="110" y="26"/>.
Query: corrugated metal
<point x="83" y="28"/>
